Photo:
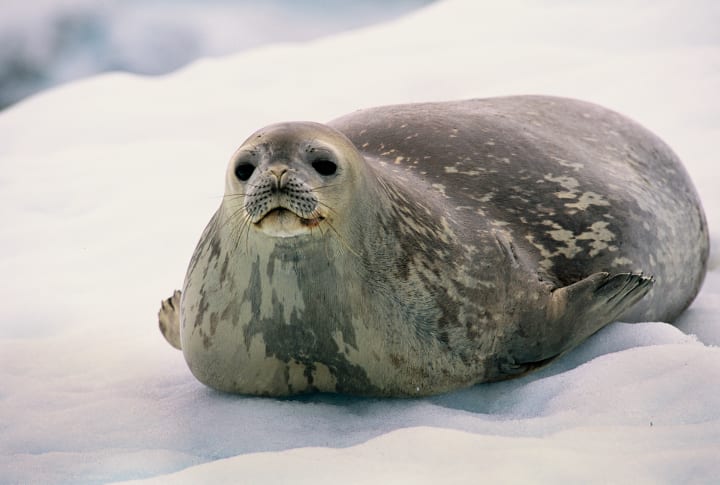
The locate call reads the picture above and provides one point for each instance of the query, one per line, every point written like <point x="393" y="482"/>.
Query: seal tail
<point x="169" y="319"/>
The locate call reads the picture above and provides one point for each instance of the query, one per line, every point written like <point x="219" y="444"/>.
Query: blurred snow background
<point x="107" y="183"/>
<point x="47" y="42"/>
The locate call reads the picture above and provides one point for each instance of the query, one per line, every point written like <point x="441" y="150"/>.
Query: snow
<point x="106" y="184"/>
<point x="46" y="42"/>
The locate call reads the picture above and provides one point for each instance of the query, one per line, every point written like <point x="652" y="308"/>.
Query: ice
<point x="106" y="184"/>
<point x="47" y="42"/>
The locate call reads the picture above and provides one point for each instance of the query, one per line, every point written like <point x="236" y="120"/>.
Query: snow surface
<point x="106" y="184"/>
<point x="46" y="42"/>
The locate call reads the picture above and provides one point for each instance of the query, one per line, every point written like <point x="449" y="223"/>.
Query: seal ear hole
<point x="243" y="171"/>
<point x="324" y="167"/>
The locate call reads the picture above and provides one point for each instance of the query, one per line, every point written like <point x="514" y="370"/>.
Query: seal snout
<point x="281" y="177"/>
<point x="281" y="203"/>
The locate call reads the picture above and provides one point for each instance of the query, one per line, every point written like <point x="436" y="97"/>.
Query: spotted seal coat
<point x="415" y="249"/>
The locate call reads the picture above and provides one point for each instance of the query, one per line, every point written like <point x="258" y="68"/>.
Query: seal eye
<point x="324" y="167"/>
<point x="244" y="170"/>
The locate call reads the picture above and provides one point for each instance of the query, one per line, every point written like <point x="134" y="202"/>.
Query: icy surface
<point x="46" y="42"/>
<point x="106" y="184"/>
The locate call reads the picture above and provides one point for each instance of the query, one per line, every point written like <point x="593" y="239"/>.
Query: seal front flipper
<point x="169" y="319"/>
<point x="575" y="312"/>
<point x="579" y="310"/>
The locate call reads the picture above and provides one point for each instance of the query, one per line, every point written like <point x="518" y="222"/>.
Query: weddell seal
<point x="415" y="249"/>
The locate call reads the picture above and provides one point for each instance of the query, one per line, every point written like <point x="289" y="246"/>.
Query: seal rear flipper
<point x="169" y="319"/>
<point x="577" y="311"/>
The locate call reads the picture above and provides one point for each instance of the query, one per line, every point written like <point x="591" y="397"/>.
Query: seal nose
<point x="281" y="176"/>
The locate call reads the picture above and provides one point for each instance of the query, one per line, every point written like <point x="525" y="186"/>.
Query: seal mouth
<point x="282" y="213"/>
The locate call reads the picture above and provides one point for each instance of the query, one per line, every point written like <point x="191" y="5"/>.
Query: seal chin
<point x="281" y="222"/>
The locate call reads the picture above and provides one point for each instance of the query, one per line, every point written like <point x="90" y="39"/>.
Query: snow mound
<point x="107" y="183"/>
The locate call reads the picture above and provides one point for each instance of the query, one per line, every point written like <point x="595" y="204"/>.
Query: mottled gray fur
<point x="456" y="243"/>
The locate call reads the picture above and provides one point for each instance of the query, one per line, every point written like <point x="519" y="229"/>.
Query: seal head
<point x="286" y="179"/>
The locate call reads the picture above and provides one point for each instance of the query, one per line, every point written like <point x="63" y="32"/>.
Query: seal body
<point x="415" y="249"/>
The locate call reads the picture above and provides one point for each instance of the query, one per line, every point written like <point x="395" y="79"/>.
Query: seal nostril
<point x="244" y="170"/>
<point x="324" y="167"/>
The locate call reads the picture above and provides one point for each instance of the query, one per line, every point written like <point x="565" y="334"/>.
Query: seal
<point x="415" y="249"/>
